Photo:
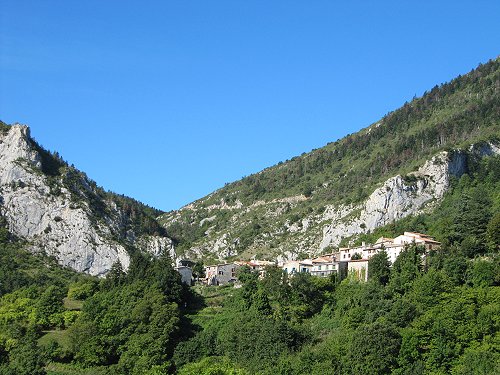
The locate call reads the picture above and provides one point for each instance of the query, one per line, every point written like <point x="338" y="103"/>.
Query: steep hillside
<point x="60" y="212"/>
<point x="400" y="165"/>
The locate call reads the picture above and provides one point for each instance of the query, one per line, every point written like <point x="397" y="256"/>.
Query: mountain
<point x="59" y="211"/>
<point x="401" y="165"/>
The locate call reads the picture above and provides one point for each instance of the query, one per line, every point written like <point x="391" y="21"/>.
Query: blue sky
<point x="166" y="101"/>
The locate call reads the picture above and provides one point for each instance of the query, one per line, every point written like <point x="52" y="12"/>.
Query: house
<point x="186" y="274"/>
<point x="347" y="253"/>
<point x="324" y="266"/>
<point x="296" y="266"/>
<point x="220" y="274"/>
<point x="393" y="247"/>
<point x="184" y="267"/>
<point x="418" y="238"/>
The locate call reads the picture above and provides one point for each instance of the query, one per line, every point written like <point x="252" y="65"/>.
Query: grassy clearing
<point x="54" y="368"/>
<point x="71" y="304"/>
<point x="59" y="336"/>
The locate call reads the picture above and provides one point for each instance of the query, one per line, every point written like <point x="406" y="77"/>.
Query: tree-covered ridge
<point x="453" y="115"/>
<point x="135" y="215"/>
<point x="463" y="111"/>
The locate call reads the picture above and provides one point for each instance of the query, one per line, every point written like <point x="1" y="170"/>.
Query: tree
<point x="199" y="270"/>
<point x="484" y="272"/>
<point x="115" y="276"/>
<point x="261" y="303"/>
<point x="25" y="358"/>
<point x="493" y="233"/>
<point x="455" y="267"/>
<point x="307" y="294"/>
<point x="49" y="303"/>
<point x="213" y="366"/>
<point x="249" y="279"/>
<point x="471" y="220"/>
<point x="374" y="349"/>
<point x="406" y="268"/>
<point x="356" y="256"/>
<point x="255" y="341"/>
<point x="379" y="268"/>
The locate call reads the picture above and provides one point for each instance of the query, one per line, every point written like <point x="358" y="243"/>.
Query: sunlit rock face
<point x="41" y="210"/>
<point x="400" y="197"/>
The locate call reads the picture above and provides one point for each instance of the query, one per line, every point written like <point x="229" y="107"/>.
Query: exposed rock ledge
<point x="399" y="197"/>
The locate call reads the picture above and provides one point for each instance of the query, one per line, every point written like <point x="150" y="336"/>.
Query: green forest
<point x="440" y="316"/>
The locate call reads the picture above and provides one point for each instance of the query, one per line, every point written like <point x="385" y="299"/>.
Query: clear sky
<point x="166" y="101"/>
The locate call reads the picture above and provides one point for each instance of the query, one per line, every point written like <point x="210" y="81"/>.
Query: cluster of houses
<point x="345" y="261"/>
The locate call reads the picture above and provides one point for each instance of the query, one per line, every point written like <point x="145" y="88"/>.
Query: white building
<point x="393" y="247"/>
<point x="324" y="266"/>
<point x="296" y="266"/>
<point x="418" y="238"/>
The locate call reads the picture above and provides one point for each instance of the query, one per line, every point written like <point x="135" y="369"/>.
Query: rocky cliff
<point x="59" y="211"/>
<point x="400" y="196"/>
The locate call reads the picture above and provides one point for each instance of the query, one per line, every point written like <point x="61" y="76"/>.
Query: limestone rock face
<point x="157" y="245"/>
<point x="400" y="197"/>
<point x="41" y="210"/>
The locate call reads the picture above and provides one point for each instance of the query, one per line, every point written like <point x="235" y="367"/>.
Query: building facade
<point x="296" y="266"/>
<point x="324" y="266"/>
<point x="220" y="274"/>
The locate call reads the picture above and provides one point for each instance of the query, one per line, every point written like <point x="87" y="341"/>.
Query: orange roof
<point x="324" y="259"/>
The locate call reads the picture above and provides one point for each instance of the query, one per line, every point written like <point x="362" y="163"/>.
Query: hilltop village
<point x="351" y="261"/>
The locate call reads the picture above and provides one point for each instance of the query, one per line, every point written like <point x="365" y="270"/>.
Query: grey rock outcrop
<point x="400" y="196"/>
<point x="41" y="210"/>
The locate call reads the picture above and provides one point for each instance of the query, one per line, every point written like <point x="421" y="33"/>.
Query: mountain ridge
<point x="398" y="166"/>
<point x="343" y="173"/>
